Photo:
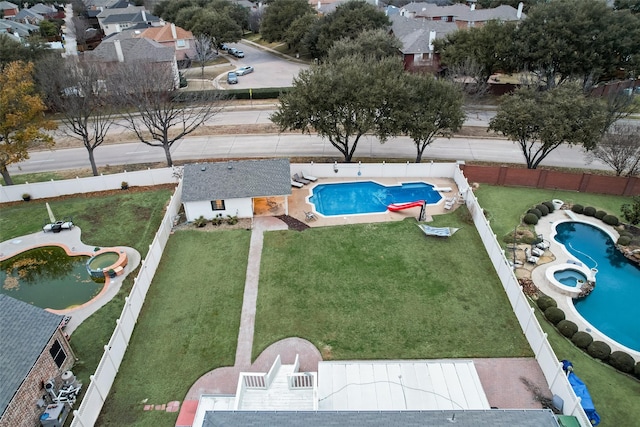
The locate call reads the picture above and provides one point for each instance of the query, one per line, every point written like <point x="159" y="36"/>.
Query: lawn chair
<point x="309" y="177"/>
<point x="310" y="216"/>
<point x="448" y="204"/>
<point x="297" y="178"/>
<point x="296" y="184"/>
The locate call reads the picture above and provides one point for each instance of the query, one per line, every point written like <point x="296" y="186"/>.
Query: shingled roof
<point x="493" y="418"/>
<point x="24" y="334"/>
<point x="133" y="49"/>
<point x="236" y="179"/>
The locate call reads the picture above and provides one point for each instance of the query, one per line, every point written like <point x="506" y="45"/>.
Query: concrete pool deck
<point x="545" y="227"/>
<point x="70" y="241"/>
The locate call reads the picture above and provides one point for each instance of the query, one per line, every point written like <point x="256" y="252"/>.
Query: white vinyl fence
<point x="105" y="374"/>
<point x="551" y="367"/>
<point x="41" y="190"/>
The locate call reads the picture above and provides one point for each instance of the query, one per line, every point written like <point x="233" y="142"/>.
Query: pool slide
<point x="394" y="207"/>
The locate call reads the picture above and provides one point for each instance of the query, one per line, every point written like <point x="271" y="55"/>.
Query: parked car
<point x="238" y="54"/>
<point x="244" y="70"/>
<point x="224" y="47"/>
<point x="232" y="50"/>
<point x="232" y="78"/>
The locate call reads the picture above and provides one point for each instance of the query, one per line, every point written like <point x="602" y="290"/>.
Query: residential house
<point x="417" y="37"/>
<point x="8" y="9"/>
<point x="27" y="16"/>
<point x="179" y="39"/>
<point x="47" y="11"/>
<point x="372" y="392"/>
<point x="464" y="16"/>
<point x="17" y="30"/>
<point x="117" y="19"/>
<point x="33" y="351"/>
<point x="233" y="187"/>
<point x="123" y="48"/>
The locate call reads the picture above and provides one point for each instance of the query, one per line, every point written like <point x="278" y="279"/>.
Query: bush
<point x="636" y="370"/>
<point x="545" y="302"/>
<point x="600" y="214"/>
<point x="124" y="185"/>
<point x="577" y="208"/>
<point x="599" y="350"/>
<point x="621" y="361"/>
<point x="550" y="206"/>
<point x="543" y="209"/>
<point x="582" y="339"/>
<point x="26" y="197"/>
<point x="530" y="218"/>
<point x="567" y="328"/>
<point x="200" y="222"/>
<point x="232" y="220"/>
<point x="624" y="240"/>
<point x="611" y="220"/>
<point x="589" y="211"/>
<point x="536" y="212"/>
<point x="554" y="315"/>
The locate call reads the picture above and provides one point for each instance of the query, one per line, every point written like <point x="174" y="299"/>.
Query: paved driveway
<point x="270" y="70"/>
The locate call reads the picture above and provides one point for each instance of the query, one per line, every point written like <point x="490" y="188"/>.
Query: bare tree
<point x="619" y="105"/>
<point x="205" y="50"/>
<point x="471" y="79"/>
<point x="619" y="149"/>
<point x="78" y="91"/>
<point x="158" y="114"/>
<point x="79" y="29"/>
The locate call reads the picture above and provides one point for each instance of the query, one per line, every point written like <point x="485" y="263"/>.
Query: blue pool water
<point x="612" y="307"/>
<point x="361" y="197"/>
<point x="569" y="277"/>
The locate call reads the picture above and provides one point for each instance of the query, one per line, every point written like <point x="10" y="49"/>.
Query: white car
<point x="244" y="70"/>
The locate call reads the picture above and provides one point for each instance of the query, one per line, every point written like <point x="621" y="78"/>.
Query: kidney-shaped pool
<point x="612" y="307"/>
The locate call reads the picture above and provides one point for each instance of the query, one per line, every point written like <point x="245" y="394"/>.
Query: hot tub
<point x="109" y="262"/>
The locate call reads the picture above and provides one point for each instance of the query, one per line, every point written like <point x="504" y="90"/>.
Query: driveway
<point x="270" y="70"/>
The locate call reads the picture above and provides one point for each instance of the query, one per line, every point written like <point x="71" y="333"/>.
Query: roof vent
<point x="203" y="168"/>
<point x="229" y="165"/>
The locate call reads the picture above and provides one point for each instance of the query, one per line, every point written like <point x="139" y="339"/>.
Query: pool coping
<point x="70" y="241"/>
<point x="546" y="227"/>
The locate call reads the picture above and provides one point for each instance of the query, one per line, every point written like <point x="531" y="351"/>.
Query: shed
<point x="232" y="187"/>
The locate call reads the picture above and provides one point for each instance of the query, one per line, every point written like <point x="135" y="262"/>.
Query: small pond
<point x="48" y="278"/>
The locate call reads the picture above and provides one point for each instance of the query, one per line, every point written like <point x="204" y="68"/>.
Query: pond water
<point x="48" y="278"/>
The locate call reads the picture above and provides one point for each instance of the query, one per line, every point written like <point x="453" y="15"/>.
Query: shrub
<point x="567" y="328"/>
<point x="577" y="208"/>
<point x="536" y="212"/>
<point x="611" y="220"/>
<point x="550" y="206"/>
<point x="26" y="197"/>
<point x="530" y="218"/>
<point x="600" y="214"/>
<point x="543" y="209"/>
<point x="636" y="370"/>
<point x="582" y="339"/>
<point x="599" y="350"/>
<point x="232" y="220"/>
<point x="624" y="240"/>
<point x="621" y="361"/>
<point x="200" y="222"/>
<point x="545" y="302"/>
<point x="589" y="211"/>
<point x="554" y="315"/>
<point x="124" y="185"/>
<point x="217" y="220"/>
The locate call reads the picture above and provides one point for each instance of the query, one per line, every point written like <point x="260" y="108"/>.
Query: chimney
<point x="432" y="37"/>
<point x="144" y="16"/>
<point x="119" y="54"/>
<point x="519" y="12"/>
<point x="174" y="34"/>
<point x="473" y="6"/>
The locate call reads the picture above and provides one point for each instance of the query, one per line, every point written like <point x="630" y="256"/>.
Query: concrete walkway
<point x="70" y="241"/>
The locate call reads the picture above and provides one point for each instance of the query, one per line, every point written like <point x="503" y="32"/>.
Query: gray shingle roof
<point x="133" y="17"/>
<point x="25" y="331"/>
<point x="414" y="33"/>
<point x="236" y="179"/>
<point x="489" y="418"/>
<point x="133" y="49"/>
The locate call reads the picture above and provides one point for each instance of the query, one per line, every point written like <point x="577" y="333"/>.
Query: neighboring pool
<point x="48" y="278"/>
<point x="612" y="307"/>
<point x="347" y="198"/>
<point x="569" y="277"/>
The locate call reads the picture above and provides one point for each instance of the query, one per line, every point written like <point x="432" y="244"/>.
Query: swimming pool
<point x="362" y="197"/>
<point x="48" y="278"/>
<point x="569" y="277"/>
<point x="612" y="306"/>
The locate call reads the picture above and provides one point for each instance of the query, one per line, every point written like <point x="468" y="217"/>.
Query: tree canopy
<point x="375" y="44"/>
<point x="542" y="121"/>
<point x="620" y="149"/>
<point x="22" y="121"/>
<point x="342" y="100"/>
<point x="279" y="16"/>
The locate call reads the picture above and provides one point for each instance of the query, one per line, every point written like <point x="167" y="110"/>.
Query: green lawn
<point x="188" y="326"/>
<point x="385" y="291"/>
<point x="507" y="205"/>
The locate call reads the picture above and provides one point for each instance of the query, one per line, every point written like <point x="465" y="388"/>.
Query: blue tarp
<point x="581" y="391"/>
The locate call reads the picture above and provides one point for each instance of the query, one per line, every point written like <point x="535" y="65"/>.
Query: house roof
<point x="5" y="5"/>
<point x="19" y="28"/>
<point x="236" y="179"/>
<point x="414" y="33"/>
<point x="43" y="9"/>
<point x="25" y="332"/>
<point x="488" y="418"/>
<point x="133" y="49"/>
<point x="28" y="14"/>
<point x="501" y="13"/>
<point x="164" y="34"/>
<point x="132" y="16"/>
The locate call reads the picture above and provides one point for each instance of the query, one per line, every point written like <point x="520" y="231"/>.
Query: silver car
<point x="244" y="70"/>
